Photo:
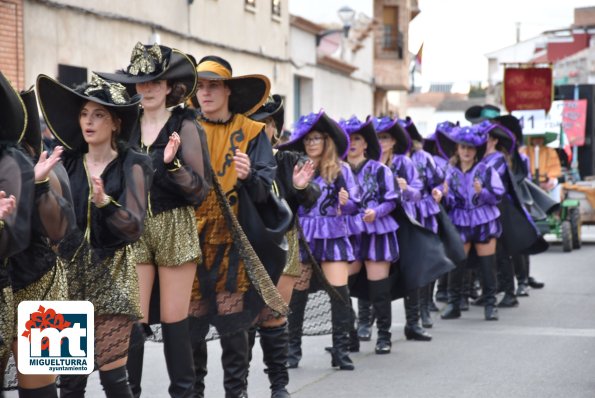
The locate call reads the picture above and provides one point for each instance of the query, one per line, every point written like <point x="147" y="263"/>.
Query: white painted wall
<point x="340" y="95"/>
<point x="62" y="36"/>
<point x="427" y="118"/>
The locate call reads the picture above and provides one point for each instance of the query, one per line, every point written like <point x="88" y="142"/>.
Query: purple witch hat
<point x="505" y="137"/>
<point x="366" y="130"/>
<point x="391" y="126"/>
<point x="468" y="135"/>
<point x="410" y="128"/>
<point x="430" y="144"/>
<point x="320" y="122"/>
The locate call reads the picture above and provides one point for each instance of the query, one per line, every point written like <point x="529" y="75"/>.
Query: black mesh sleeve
<point x="16" y="178"/>
<point x="54" y="211"/>
<point x="190" y="176"/>
<point x="124" y="216"/>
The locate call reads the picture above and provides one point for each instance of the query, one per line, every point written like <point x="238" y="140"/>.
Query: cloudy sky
<point x="458" y="33"/>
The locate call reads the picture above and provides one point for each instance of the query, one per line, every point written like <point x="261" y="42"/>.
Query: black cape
<point x="422" y="260"/>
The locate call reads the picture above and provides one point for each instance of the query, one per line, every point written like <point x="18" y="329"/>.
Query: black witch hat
<point x="61" y="106"/>
<point x="14" y="114"/>
<point x="154" y="62"/>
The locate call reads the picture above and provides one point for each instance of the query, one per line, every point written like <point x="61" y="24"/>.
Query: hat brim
<point x="475" y="113"/>
<point x="248" y="92"/>
<point x="512" y="124"/>
<point x="373" y="151"/>
<point x="448" y="145"/>
<point x="277" y="115"/>
<point x="14" y="120"/>
<point x="324" y="124"/>
<point x="181" y="69"/>
<point x="412" y="131"/>
<point x="61" y="106"/>
<point x="548" y="137"/>
<point x="505" y="137"/>
<point x="403" y="140"/>
<point x="32" y="136"/>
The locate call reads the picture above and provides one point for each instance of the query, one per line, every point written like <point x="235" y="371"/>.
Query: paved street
<point x="544" y="348"/>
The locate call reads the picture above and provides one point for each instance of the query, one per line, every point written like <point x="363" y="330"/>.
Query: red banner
<point x="574" y="117"/>
<point x="528" y="88"/>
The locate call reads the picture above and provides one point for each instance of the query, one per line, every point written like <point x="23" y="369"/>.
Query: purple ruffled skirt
<point x="480" y="233"/>
<point x="328" y="237"/>
<point x="477" y="225"/>
<point x="374" y="247"/>
<point x="327" y="250"/>
<point x="378" y="241"/>
<point x="427" y="208"/>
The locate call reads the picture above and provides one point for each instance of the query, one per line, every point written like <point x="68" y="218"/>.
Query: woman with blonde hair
<point x="325" y="223"/>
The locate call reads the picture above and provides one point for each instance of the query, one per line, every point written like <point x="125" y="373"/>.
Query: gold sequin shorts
<point x="53" y="286"/>
<point x="222" y="264"/>
<point x="7" y="323"/>
<point x="170" y="239"/>
<point x="111" y="285"/>
<point x="293" y="266"/>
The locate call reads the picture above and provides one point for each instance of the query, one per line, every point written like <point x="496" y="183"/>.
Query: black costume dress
<point x="16" y="178"/>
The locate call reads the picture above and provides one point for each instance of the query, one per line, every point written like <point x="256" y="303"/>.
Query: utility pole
<point x="518" y="32"/>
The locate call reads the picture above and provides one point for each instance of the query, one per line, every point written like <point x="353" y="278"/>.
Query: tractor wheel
<point x="566" y="232"/>
<point x="575" y="222"/>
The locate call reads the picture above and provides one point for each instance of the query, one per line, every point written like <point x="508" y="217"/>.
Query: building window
<point x="392" y="37"/>
<point x="276" y="8"/>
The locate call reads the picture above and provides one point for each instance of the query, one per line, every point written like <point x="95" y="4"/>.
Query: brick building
<point x="11" y="41"/>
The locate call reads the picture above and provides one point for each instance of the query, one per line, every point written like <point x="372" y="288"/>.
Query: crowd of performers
<point x="170" y="196"/>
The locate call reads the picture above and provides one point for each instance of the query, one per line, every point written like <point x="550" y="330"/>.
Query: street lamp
<point x="346" y="15"/>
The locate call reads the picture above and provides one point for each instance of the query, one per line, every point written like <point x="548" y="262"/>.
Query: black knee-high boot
<point x="295" y="323"/>
<point x="49" y="391"/>
<point x="467" y="289"/>
<point x="342" y="320"/>
<point x="115" y="383"/>
<point x="455" y="279"/>
<point x="136" y="353"/>
<point x="431" y="303"/>
<point x="506" y="280"/>
<point x="364" y="320"/>
<point x="234" y="358"/>
<point x="199" y="327"/>
<point x="413" y="331"/>
<point x="424" y="306"/>
<point x="522" y="274"/>
<point x="487" y="267"/>
<point x="353" y="338"/>
<point x="73" y="386"/>
<point x="442" y="289"/>
<point x="251" y="341"/>
<point x="381" y="301"/>
<point x="178" y="358"/>
<point x="274" y="343"/>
